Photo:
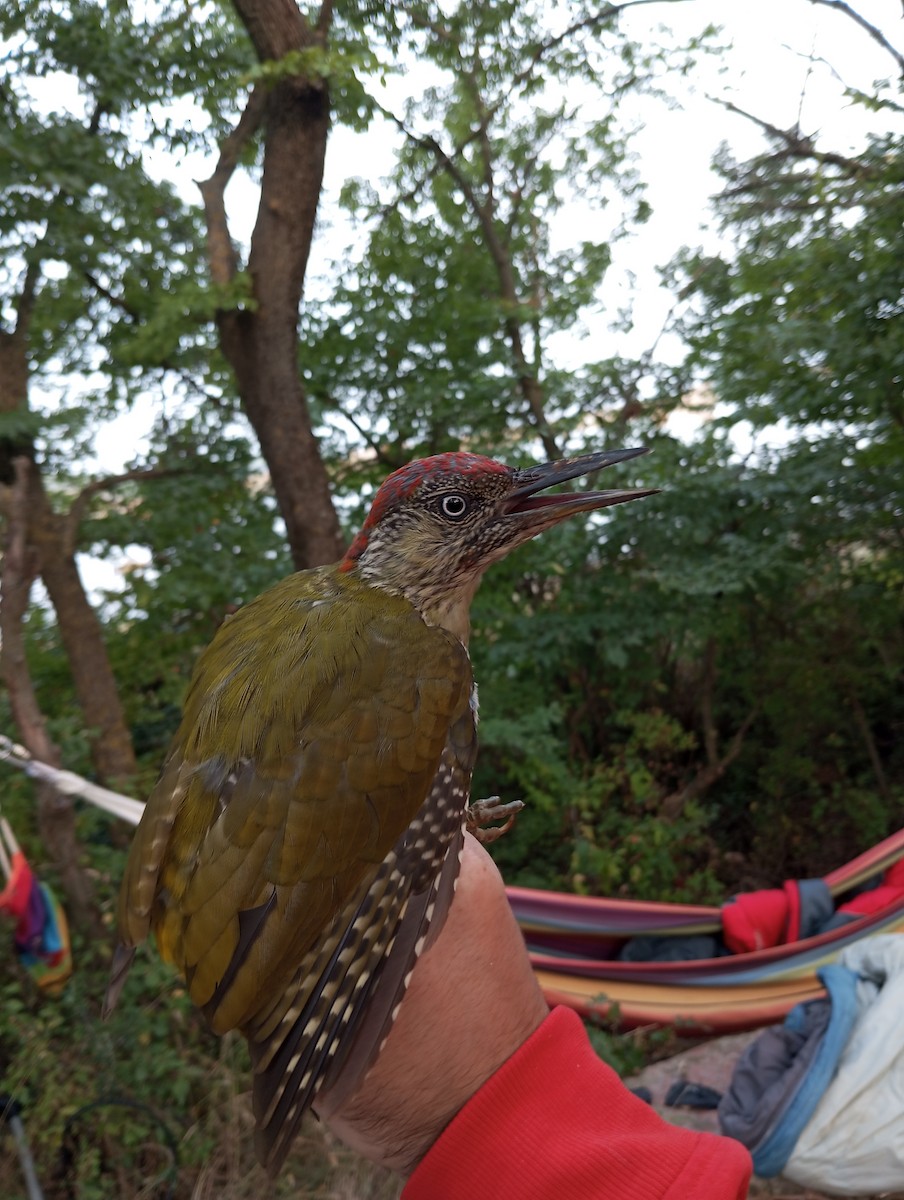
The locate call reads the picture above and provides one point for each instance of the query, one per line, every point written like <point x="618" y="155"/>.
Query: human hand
<point x="472" y="1002"/>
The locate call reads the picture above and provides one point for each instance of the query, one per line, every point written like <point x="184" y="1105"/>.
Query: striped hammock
<point x="571" y="940"/>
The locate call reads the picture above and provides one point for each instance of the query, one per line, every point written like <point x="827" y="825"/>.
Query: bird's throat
<point x="452" y="613"/>
<point x="441" y="595"/>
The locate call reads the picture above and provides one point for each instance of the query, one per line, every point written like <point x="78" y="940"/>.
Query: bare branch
<point x="107" y="483"/>
<point x="804" y="85"/>
<point x="673" y="804"/>
<point x="220" y="250"/>
<point x="799" y="145"/>
<point x="853" y="91"/>
<point x="876" y="34"/>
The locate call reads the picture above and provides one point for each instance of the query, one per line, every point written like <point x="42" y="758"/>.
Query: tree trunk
<point x="95" y="685"/>
<point x="39" y="541"/>
<point x="261" y="342"/>
<point x="55" y="813"/>
<point x="672" y="806"/>
<point x="51" y="538"/>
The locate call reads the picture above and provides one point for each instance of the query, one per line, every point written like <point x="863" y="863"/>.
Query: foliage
<point x="123" y="1108"/>
<point x="438" y="334"/>
<point x="86" y="108"/>
<point x="628" y="1054"/>
<point x="797" y="335"/>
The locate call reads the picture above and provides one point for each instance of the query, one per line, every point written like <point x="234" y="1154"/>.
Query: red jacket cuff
<point x="555" y="1122"/>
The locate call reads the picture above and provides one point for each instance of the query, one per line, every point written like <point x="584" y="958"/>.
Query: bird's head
<point x="436" y="524"/>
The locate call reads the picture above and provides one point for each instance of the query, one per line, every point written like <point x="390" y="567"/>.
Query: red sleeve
<point x="555" y="1123"/>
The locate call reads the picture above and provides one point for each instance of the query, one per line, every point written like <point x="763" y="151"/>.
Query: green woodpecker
<point x="305" y="834"/>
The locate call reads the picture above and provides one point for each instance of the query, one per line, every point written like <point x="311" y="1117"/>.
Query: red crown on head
<point x="406" y="480"/>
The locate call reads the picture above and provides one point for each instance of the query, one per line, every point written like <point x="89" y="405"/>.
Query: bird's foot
<point x="481" y="812"/>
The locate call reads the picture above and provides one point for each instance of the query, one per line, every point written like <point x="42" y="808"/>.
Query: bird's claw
<point x="481" y="812"/>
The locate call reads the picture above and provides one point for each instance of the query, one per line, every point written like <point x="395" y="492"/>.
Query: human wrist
<point x="472" y="1002"/>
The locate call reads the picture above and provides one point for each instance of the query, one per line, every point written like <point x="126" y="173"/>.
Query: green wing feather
<point x="312" y="732"/>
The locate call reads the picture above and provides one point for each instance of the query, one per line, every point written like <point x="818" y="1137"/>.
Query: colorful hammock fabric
<point x="572" y="941"/>
<point x="41" y="935"/>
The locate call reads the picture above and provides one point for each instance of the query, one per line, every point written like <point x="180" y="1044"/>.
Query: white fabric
<point x="853" y="1145"/>
<point x="70" y="784"/>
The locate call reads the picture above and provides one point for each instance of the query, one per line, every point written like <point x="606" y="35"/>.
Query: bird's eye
<point x="453" y="506"/>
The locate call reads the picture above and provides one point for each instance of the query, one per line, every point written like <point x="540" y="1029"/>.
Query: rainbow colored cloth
<point x="41" y="934"/>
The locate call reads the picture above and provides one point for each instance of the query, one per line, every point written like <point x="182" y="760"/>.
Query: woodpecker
<point x="304" y="837"/>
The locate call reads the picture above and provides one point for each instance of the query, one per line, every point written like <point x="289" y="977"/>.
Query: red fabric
<point x="792" y="925"/>
<point x="15" y="896"/>
<point x="868" y="903"/>
<point x="755" y="920"/>
<point x="555" y="1123"/>
<point x="894" y="876"/>
<point x="889" y="892"/>
<point x="30" y="926"/>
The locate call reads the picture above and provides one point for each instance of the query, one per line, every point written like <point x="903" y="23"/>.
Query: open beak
<point x="539" y="512"/>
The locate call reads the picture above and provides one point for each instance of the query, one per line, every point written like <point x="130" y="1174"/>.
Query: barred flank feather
<point x="339" y="1007"/>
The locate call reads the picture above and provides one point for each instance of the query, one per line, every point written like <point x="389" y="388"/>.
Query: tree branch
<point x="26" y="303"/>
<point x="520" y="78"/>
<point x="56" y="817"/>
<point x="872" y="750"/>
<point x="221" y="253"/>
<point x="20" y="567"/>
<point x="483" y="211"/>
<point x="111" y="298"/>
<point x="593" y="21"/>
<point x="108" y="483"/>
<point x="324" y="18"/>
<point x="876" y="34"/>
<point x="672" y="805"/>
<point x="707" y="686"/>
<point x="444" y="160"/>
<point x="799" y="145"/>
<point x="379" y="451"/>
<point x="277" y="26"/>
